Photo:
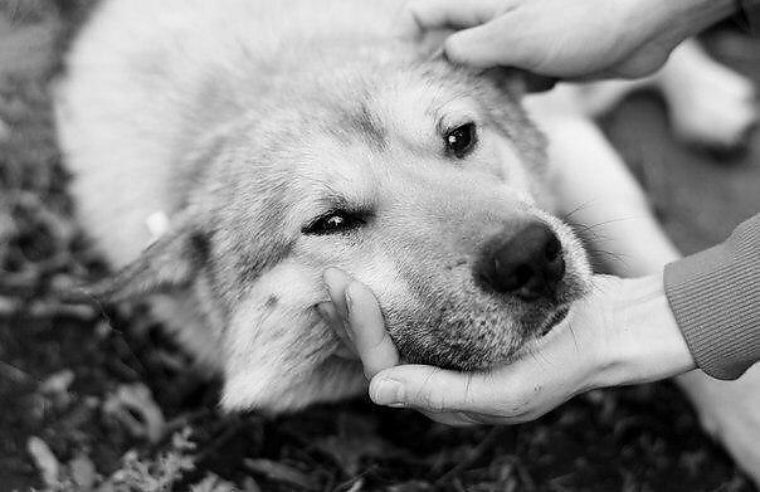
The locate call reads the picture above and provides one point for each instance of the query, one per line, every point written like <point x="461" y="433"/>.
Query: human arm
<point x="627" y="331"/>
<point x="568" y="39"/>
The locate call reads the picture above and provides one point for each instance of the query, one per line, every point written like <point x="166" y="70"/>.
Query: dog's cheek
<point x="375" y="266"/>
<point x="383" y="277"/>
<point x="457" y="336"/>
<point x="277" y="348"/>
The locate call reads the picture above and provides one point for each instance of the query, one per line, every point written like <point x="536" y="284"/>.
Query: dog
<point x="226" y="153"/>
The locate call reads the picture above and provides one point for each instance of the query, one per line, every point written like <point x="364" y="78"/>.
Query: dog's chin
<point x="471" y="356"/>
<point x="553" y="323"/>
<point x="464" y="354"/>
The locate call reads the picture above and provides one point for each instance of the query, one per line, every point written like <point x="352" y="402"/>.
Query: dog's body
<point x="250" y="139"/>
<point x="281" y="138"/>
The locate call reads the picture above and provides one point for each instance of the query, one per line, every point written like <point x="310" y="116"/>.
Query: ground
<point x="98" y="398"/>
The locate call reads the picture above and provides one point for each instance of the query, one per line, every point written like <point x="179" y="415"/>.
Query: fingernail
<point x="389" y="393"/>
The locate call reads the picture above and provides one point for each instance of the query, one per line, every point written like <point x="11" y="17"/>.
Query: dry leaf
<point x="279" y="472"/>
<point x="45" y="460"/>
<point x="133" y="401"/>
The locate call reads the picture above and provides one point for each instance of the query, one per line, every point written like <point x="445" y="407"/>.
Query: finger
<point x="485" y="46"/>
<point x="336" y="281"/>
<point x="428" y="389"/>
<point x="454" y="419"/>
<point x="452" y="14"/>
<point x="456" y="398"/>
<point x="367" y="328"/>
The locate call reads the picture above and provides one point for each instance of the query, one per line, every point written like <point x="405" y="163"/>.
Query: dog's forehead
<point x="378" y="123"/>
<point x="412" y="103"/>
<point x="338" y="138"/>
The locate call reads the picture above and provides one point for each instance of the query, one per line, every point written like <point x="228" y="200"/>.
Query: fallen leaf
<point x="356" y="440"/>
<point x="133" y="406"/>
<point x="57" y="383"/>
<point x="44" y="460"/>
<point x="250" y="485"/>
<point x="279" y="472"/>
<point x="212" y="483"/>
<point x="83" y="472"/>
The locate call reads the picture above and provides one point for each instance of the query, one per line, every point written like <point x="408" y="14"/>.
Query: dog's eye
<point x="335" y="222"/>
<point x="461" y="140"/>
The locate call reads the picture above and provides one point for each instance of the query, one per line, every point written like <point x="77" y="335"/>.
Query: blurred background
<point x="97" y="398"/>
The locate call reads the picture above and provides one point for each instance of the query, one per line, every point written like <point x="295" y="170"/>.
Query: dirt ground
<point x="96" y="398"/>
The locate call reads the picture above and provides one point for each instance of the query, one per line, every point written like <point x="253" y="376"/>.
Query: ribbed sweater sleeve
<point x="715" y="297"/>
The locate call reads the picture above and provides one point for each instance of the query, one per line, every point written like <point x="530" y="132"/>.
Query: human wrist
<point x="645" y="343"/>
<point x="689" y="17"/>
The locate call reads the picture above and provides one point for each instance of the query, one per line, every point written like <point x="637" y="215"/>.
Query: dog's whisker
<point x="572" y="332"/>
<point x="579" y="208"/>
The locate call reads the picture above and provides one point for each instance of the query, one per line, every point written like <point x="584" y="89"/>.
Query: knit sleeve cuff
<point x="715" y="298"/>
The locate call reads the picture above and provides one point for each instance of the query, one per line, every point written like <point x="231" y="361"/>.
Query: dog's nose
<point x="527" y="264"/>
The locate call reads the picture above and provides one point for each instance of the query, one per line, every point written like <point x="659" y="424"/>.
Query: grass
<point x="100" y="399"/>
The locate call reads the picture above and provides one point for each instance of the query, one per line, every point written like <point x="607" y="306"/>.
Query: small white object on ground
<point x="45" y="460"/>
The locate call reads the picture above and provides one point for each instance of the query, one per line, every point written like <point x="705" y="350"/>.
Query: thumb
<point x="425" y="388"/>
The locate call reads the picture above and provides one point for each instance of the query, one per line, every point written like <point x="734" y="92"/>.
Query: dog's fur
<point x="244" y="121"/>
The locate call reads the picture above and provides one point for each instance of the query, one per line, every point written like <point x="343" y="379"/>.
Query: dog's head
<point x="422" y="180"/>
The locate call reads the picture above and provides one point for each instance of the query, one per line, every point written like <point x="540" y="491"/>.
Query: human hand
<point x="620" y="334"/>
<point x="563" y="38"/>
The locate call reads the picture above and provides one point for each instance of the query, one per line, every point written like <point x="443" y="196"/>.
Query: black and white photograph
<point x="380" y="245"/>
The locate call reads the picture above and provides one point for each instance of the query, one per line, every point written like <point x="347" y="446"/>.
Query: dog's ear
<point x="518" y="81"/>
<point x="170" y="262"/>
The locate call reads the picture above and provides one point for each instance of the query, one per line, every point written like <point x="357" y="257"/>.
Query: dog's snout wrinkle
<point x="527" y="264"/>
